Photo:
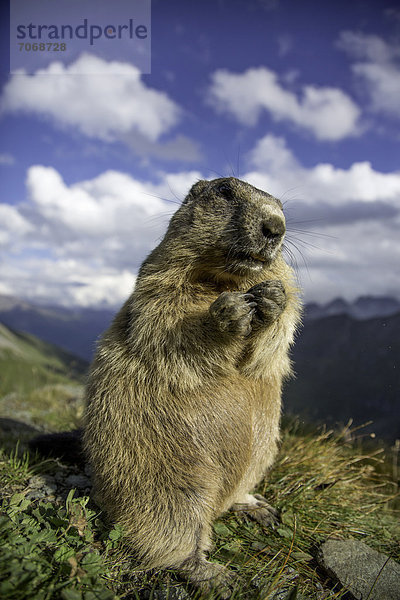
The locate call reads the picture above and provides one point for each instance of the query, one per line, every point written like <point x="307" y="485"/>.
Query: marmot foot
<point x="257" y="508"/>
<point x="209" y="577"/>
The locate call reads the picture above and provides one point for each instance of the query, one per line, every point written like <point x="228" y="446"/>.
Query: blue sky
<point x="301" y="99"/>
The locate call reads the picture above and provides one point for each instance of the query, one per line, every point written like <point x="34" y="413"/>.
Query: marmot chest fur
<point x="184" y="394"/>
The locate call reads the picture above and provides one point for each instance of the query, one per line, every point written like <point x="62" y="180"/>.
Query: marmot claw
<point x="270" y="298"/>
<point x="233" y="312"/>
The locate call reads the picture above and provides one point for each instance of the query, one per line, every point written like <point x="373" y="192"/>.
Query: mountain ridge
<point x="73" y="329"/>
<point x="77" y="329"/>
<point x="40" y="383"/>
<point x="348" y="369"/>
<point x="362" y="308"/>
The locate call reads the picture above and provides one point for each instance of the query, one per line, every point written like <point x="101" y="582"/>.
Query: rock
<point x="364" y="572"/>
<point x="78" y="481"/>
<point x="41" y="486"/>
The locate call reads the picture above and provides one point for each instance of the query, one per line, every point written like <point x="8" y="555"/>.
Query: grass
<point x="54" y="407"/>
<point x="28" y="363"/>
<point x="323" y="485"/>
<point x="40" y="386"/>
<point x="324" y="488"/>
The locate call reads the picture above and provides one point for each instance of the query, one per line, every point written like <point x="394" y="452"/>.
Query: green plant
<point x="50" y="551"/>
<point x="14" y="468"/>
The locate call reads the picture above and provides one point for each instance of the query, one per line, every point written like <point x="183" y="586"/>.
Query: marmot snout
<point x="184" y="394"/>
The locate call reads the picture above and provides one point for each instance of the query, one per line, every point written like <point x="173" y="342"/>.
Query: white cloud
<point x="326" y="112"/>
<point x="356" y="259"/>
<point x="12" y="225"/>
<point x="113" y="213"/>
<point x="367" y="46"/>
<point x="65" y="281"/>
<point x="81" y="244"/>
<point x="278" y="171"/>
<point x="377" y="65"/>
<point x="384" y="86"/>
<point x="356" y="253"/>
<point x="111" y="202"/>
<point x="107" y="105"/>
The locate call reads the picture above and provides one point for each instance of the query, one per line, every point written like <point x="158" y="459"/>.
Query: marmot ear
<point x="196" y="190"/>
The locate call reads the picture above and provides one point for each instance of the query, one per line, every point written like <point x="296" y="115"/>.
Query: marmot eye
<point x="224" y="190"/>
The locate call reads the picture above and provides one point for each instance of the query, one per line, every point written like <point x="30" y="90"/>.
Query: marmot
<point x="184" y="393"/>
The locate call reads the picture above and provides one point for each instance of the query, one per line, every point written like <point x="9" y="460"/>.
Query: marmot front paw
<point x="233" y="312"/>
<point x="270" y="299"/>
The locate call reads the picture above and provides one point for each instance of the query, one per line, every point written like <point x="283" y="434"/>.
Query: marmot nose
<point x="272" y="229"/>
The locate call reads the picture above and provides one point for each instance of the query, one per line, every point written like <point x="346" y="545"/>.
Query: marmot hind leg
<point x="207" y="576"/>
<point x="180" y="543"/>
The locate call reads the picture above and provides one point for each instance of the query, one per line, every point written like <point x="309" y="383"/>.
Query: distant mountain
<point x="26" y="361"/>
<point x="364" y="307"/>
<point x="75" y="330"/>
<point x="40" y="384"/>
<point x="348" y="368"/>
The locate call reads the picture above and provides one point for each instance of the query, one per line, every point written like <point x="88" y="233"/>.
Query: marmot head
<point x="234" y="229"/>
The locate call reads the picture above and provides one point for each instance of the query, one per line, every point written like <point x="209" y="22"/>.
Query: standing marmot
<point x="184" y="394"/>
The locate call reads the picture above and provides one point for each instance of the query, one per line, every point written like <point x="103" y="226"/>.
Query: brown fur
<point x="184" y="394"/>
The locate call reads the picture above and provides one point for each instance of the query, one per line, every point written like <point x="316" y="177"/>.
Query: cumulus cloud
<point x="278" y="170"/>
<point x="326" y="112"/>
<point x="324" y="213"/>
<point x="12" y="225"/>
<point x="342" y="223"/>
<point x="82" y="244"/>
<point x="107" y="105"/>
<point x="350" y="260"/>
<point x="367" y="46"/>
<point x="65" y="281"/>
<point x="93" y="208"/>
<point x="377" y="65"/>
